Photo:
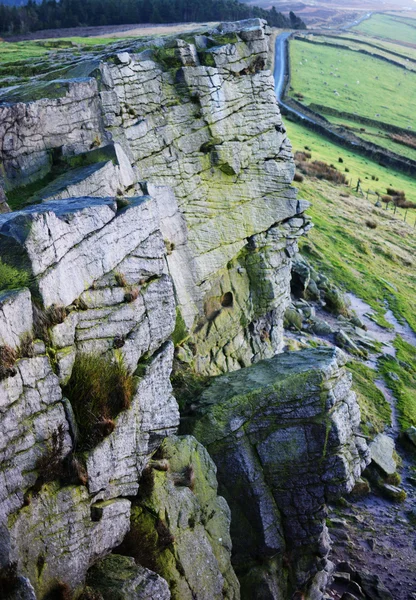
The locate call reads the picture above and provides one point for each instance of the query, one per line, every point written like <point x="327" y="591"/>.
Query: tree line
<point x="50" y="14"/>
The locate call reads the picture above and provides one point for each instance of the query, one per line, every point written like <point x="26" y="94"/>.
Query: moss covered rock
<point x="283" y="436"/>
<point x="180" y="527"/>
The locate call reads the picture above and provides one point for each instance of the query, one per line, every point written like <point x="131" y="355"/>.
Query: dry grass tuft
<point x="50" y="465"/>
<point x="131" y="294"/>
<point x="8" y="357"/>
<point x="60" y="591"/>
<point x="319" y="169"/>
<point x="121" y="279"/>
<point x="99" y="389"/>
<point x="44" y="319"/>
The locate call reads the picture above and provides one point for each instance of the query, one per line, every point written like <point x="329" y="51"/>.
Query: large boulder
<point x="382" y="453"/>
<point x="283" y="434"/>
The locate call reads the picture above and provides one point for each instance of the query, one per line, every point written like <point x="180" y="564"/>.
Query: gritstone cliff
<point x="153" y="216"/>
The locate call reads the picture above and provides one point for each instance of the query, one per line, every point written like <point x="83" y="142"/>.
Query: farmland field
<point x="390" y="27"/>
<point x="355" y="83"/>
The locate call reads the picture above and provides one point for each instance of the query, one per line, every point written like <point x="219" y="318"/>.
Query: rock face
<point x="209" y="127"/>
<point x="101" y="277"/>
<point x="283" y="436"/>
<point x="160" y="214"/>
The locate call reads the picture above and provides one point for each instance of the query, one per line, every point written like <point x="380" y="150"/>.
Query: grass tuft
<point x="8" y="357"/>
<point x="99" y="389"/>
<point x="12" y="278"/>
<point x="44" y="319"/>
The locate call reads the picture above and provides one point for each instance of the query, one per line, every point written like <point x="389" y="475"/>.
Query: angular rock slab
<point x="16" y="318"/>
<point x="283" y="436"/>
<point x="31" y="411"/>
<point x="381" y="451"/>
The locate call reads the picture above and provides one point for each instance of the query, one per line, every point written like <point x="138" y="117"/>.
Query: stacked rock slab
<point x="201" y="117"/>
<point x="84" y="256"/>
<point x="283" y="436"/>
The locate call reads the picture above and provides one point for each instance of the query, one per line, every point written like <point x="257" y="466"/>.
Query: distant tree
<point x="50" y="14"/>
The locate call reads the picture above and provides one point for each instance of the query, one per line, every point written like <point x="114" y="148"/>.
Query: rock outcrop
<point x="201" y="117"/>
<point x="283" y="434"/>
<point x="159" y="214"/>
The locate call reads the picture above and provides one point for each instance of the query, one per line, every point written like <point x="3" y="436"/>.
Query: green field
<point x="352" y="82"/>
<point x="389" y="27"/>
<point x="405" y="51"/>
<point x="363" y="43"/>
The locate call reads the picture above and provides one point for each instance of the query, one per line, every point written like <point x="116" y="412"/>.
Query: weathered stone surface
<point x="214" y="134"/>
<point x="16" y="318"/>
<point x="115" y="465"/>
<point x="180" y="527"/>
<point x="220" y="241"/>
<point x="381" y="451"/>
<point x="31" y="411"/>
<point x="58" y="527"/>
<point x="119" y="578"/>
<point x="66" y="116"/>
<point x="283" y="436"/>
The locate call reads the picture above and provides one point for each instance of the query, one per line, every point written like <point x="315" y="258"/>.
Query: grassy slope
<point x="400" y="376"/>
<point x="19" y="51"/>
<point x="378" y="265"/>
<point x="363" y="43"/>
<point x="374" y="87"/>
<point x="392" y="28"/>
<point x="375" y="410"/>
<point x="381" y="43"/>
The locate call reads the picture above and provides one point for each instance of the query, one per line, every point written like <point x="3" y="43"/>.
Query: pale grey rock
<point x="187" y="53"/>
<point x="63" y="334"/>
<point x="29" y="129"/>
<point x="31" y="411"/>
<point x="16" y="318"/>
<point x="115" y="465"/>
<point x="381" y="449"/>
<point x="58" y="526"/>
<point x="49" y="231"/>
